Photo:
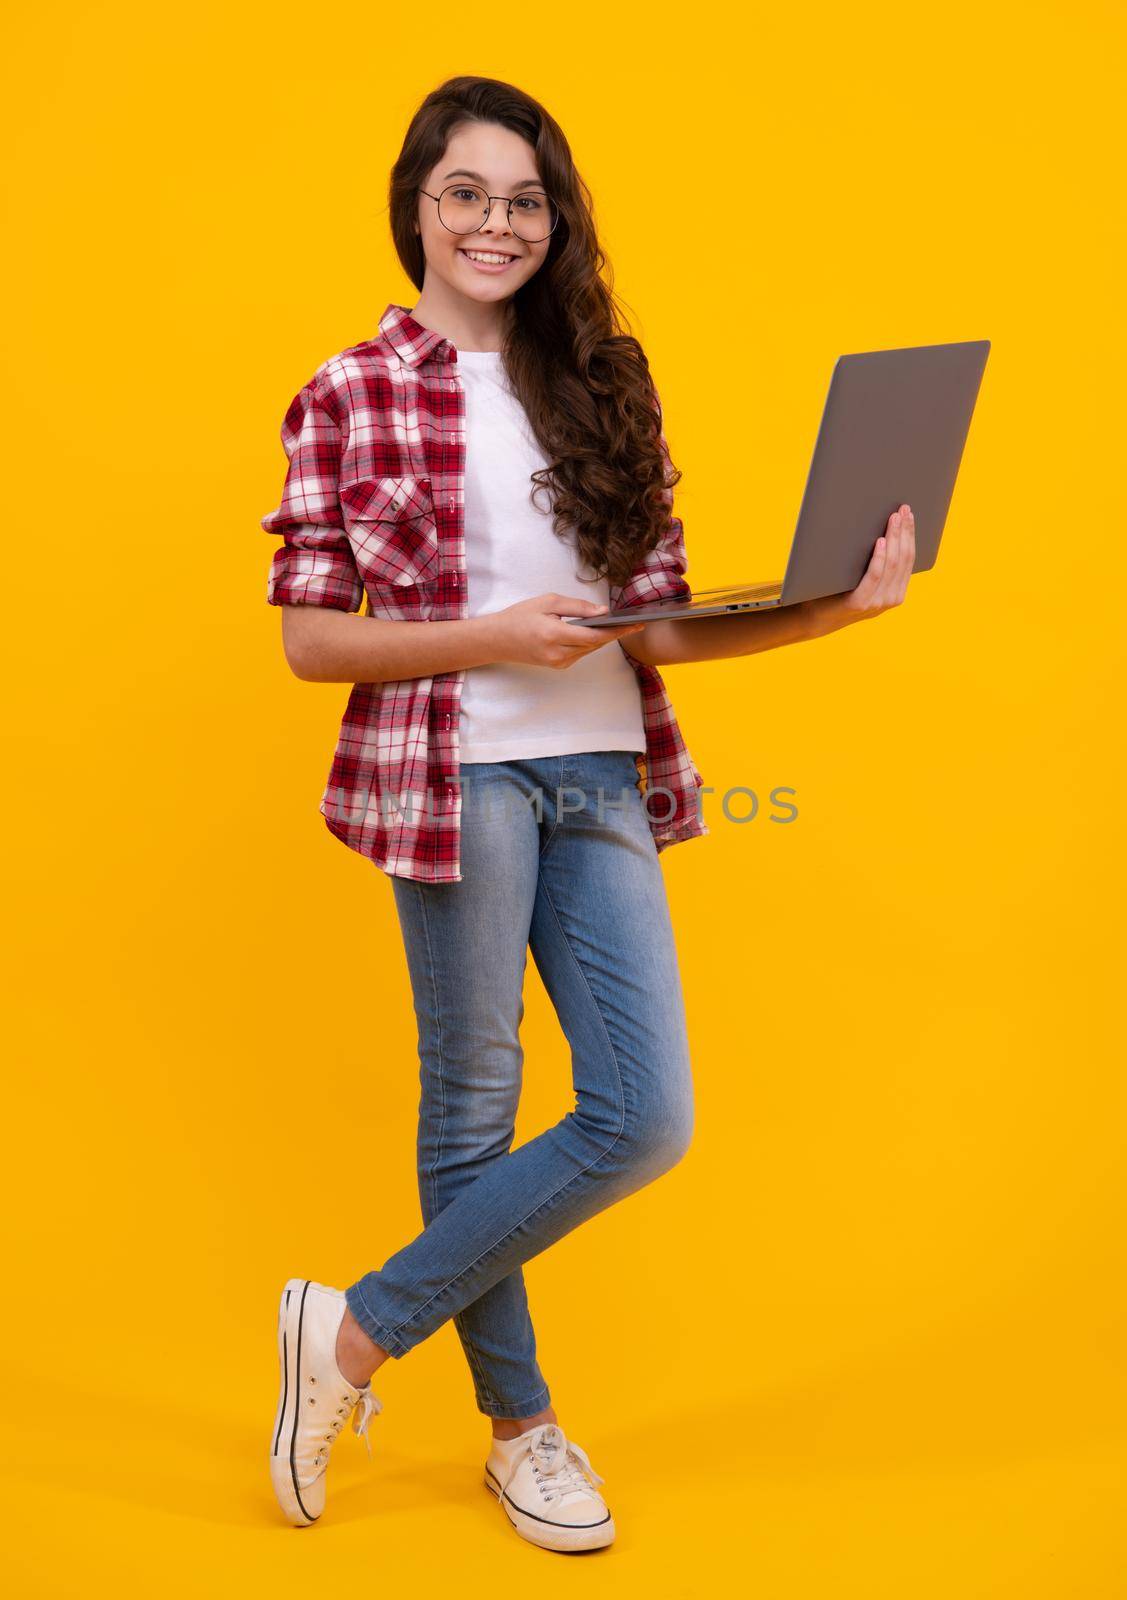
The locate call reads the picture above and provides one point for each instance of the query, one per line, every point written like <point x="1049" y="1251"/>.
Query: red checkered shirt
<point x="373" y="510"/>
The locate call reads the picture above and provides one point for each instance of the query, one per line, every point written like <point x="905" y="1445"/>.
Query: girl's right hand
<point x="532" y="631"/>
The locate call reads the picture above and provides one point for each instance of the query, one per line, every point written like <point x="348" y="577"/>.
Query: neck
<point x="466" y="323"/>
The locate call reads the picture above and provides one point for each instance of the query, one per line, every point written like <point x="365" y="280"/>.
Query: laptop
<point x="893" y="430"/>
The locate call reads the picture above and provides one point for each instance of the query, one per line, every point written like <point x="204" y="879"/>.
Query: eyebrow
<point x="464" y="172"/>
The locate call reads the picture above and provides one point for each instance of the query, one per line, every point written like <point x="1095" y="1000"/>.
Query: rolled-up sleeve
<point x="315" y="564"/>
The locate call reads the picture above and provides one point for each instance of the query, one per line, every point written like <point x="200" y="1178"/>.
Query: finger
<point x="570" y="605"/>
<point x="594" y="639"/>
<point x="887" y="544"/>
<point x="572" y="653"/>
<point x="889" y="567"/>
<point x="576" y="636"/>
<point x="879" y="560"/>
<point x="868" y="584"/>
<point x="569" y="636"/>
<point x="609" y="636"/>
<point x="601" y="635"/>
<point x="903" y="563"/>
<point x="907" y="556"/>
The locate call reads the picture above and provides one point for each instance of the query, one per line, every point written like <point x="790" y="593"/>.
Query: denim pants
<point x="557" y="857"/>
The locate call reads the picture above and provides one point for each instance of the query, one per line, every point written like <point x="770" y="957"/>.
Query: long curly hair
<point x="582" y="377"/>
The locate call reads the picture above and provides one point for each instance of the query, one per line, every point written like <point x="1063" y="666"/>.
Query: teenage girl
<point x="514" y="774"/>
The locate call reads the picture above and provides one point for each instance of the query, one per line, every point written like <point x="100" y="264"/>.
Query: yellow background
<point x="867" y="1339"/>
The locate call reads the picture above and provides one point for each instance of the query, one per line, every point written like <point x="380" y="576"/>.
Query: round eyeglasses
<point x="464" y="207"/>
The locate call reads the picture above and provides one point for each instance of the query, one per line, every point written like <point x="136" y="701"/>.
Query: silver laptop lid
<point x="893" y="430"/>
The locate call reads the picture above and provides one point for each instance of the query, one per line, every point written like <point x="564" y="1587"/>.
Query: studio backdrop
<point x="868" y="1336"/>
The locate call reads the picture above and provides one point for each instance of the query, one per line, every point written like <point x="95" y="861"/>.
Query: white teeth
<point x="477" y="255"/>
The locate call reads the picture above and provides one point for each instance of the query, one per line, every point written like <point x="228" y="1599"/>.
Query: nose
<point x="504" y="219"/>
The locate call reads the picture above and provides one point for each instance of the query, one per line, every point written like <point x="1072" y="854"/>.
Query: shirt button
<point x="447" y="720"/>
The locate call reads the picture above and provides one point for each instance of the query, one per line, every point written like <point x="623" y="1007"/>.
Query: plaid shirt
<point x="373" y="509"/>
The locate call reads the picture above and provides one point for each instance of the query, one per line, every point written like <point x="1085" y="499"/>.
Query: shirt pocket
<point x="393" y="529"/>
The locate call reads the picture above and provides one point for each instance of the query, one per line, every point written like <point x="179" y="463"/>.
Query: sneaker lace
<point x="562" y="1468"/>
<point x="365" y="1409"/>
<point x="362" y="1410"/>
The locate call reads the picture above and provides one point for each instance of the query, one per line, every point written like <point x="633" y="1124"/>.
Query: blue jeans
<point x="581" y="886"/>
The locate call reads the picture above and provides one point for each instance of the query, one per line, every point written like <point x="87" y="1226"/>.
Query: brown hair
<point x="584" y="381"/>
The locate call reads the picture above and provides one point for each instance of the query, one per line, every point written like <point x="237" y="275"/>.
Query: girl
<point x="516" y="776"/>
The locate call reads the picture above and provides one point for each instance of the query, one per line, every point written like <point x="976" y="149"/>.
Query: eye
<point x="530" y="202"/>
<point x="467" y="194"/>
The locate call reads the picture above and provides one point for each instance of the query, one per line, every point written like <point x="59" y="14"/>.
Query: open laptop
<point x="892" y="433"/>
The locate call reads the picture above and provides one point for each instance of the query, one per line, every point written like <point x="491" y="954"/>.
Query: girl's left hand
<point x="885" y="582"/>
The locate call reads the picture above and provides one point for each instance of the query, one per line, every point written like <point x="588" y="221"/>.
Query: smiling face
<point x="500" y="162"/>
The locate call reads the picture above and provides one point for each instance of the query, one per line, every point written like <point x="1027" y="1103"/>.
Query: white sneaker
<point x="315" y="1400"/>
<point x="546" y="1486"/>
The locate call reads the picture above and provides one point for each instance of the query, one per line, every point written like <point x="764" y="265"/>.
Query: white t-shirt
<point x="508" y="709"/>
